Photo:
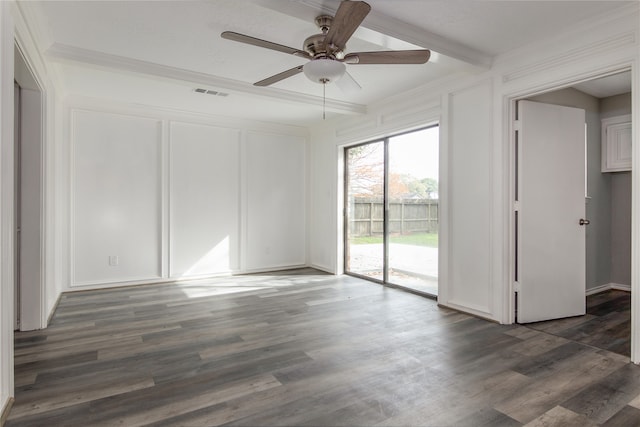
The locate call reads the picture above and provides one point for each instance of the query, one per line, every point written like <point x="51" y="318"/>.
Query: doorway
<point x="607" y="201"/>
<point x="29" y="200"/>
<point x="391" y="211"/>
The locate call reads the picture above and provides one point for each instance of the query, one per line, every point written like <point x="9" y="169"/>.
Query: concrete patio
<point x="411" y="266"/>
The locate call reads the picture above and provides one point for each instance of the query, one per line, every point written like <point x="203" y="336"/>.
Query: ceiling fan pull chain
<point x="324" y="101"/>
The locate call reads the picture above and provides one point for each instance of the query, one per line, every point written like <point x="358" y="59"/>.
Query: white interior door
<point x="551" y="200"/>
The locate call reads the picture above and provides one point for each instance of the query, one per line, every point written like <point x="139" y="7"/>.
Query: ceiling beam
<point x="388" y="26"/>
<point x="65" y="53"/>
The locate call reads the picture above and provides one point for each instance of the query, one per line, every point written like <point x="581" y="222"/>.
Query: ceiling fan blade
<point x="280" y="76"/>
<point x="389" y="57"/>
<point x="348" y="18"/>
<point x="348" y="84"/>
<point x="242" y="38"/>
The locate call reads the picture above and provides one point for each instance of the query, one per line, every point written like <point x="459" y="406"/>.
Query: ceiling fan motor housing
<point x="315" y="44"/>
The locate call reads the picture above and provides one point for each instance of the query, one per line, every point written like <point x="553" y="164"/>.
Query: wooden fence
<point x="405" y="216"/>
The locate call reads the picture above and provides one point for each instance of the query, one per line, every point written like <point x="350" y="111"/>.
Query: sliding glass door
<point x="413" y="210"/>
<point x="365" y="207"/>
<point x="391" y="220"/>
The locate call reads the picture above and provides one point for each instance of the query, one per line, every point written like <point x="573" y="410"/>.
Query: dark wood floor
<point x="606" y="325"/>
<point x="305" y="350"/>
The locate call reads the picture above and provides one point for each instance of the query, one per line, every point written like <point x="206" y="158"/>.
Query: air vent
<point x="210" y="92"/>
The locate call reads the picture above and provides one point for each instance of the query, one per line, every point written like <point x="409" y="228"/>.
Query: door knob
<point x="584" y="221"/>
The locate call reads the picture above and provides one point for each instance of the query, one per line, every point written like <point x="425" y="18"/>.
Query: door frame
<point x="33" y="312"/>
<point x="509" y="113"/>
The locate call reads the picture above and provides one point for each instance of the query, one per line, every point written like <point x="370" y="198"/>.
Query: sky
<point x="415" y="153"/>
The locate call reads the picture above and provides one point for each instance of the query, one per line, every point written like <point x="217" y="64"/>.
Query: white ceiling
<point x="603" y="87"/>
<point x="149" y="52"/>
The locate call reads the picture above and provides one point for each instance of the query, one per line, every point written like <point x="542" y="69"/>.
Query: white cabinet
<point x="616" y="144"/>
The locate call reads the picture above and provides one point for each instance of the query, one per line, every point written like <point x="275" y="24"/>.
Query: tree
<point x="366" y="167"/>
<point x="397" y="186"/>
<point x="417" y="188"/>
<point x="425" y="188"/>
<point x="431" y="187"/>
<point x="366" y="171"/>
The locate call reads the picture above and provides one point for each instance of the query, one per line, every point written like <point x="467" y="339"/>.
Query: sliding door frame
<point x="385" y="216"/>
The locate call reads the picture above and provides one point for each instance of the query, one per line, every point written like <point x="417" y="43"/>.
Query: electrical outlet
<point x="113" y="260"/>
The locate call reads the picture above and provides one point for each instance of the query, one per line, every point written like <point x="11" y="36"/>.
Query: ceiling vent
<point x="210" y="92"/>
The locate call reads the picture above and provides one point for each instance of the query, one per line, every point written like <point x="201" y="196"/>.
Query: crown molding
<point x="64" y="53"/>
<point x="85" y="103"/>
<point x="572" y="56"/>
<point x="29" y="39"/>
<point x="31" y="13"/>
<point x="609" y="26"/>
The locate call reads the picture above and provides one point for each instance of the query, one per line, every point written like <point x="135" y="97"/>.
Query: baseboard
<point x="608" y="287"/>
<point x="619" y="287"/>
<point x="5" y="411"/>
<point x="273" y="269"/>
<point x="321" y="268"/>
<point x="53" y="310"/>
<point x="598" y="289"/>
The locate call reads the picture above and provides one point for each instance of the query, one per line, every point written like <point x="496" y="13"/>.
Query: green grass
<point x="418" y="239"/>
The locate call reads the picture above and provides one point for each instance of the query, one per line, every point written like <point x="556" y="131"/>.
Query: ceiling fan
<point x="326" y="51"/>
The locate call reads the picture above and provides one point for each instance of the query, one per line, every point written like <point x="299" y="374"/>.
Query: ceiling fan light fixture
<point x="324" y="70"/>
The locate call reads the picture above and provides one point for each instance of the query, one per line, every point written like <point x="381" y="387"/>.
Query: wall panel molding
<point x="203" y="165"/>
<point x="468" y="282"/>
<point x="116" y="197"/>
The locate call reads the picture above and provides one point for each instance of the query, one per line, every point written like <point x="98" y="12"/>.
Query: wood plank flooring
<point x="305" y="349"/>
<point x="606" y="325"/>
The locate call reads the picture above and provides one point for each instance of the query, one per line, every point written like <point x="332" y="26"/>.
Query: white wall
<point x="182" y="197"/>
<point x="276" y="200"/>
<point x="116" y="163"/>
<point x="205" y="200"/>
<point x="325" y="174"/>
<point x="469" y="201"/>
